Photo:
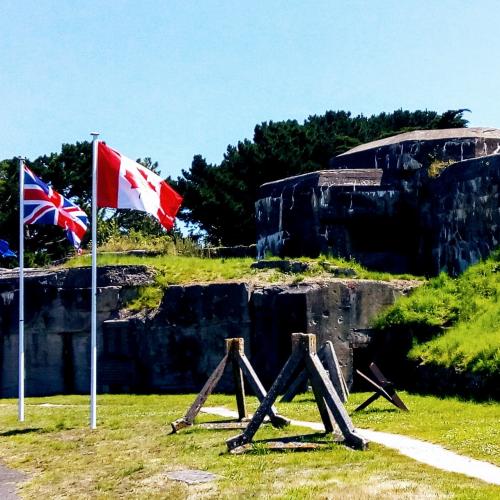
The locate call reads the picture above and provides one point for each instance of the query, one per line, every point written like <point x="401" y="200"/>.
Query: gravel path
<point x="427" y="453"/>
<point x="8" y="482"/>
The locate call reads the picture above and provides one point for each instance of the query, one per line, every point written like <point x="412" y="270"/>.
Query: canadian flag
<point x="124" y="183"/>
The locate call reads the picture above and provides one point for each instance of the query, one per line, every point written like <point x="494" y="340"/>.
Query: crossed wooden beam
<point x="304" y="357"/>
<point x="383" y="387"/>
<point x="235" y="356"/>
<point x="327" y="356"/>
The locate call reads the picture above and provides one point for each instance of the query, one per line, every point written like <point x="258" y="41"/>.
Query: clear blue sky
<point x="174" y="78"/>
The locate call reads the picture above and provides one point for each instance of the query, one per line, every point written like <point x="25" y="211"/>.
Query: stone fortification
<point x="57" y="324"/>
<point x="413" y="150"/>
<point x="176" y="347"/>
<point x="421" y="202"/>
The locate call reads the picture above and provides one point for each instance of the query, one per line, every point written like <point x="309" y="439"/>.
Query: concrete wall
<point x="417" y="149"/>
<point x="333" y="310"/>
<point x="461" y="215"/>
<point x="415" y="223"/>
<point x="176" y="347"/>
<point x="57" y="325"/>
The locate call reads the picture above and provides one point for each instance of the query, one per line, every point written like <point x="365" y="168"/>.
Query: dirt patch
<point x="175" y="489"/>
<point x="390" y="489"/>
<point x="9" y="480"/>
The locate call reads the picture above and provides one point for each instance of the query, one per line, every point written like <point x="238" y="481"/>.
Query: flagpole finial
<point x="94" y="134"/>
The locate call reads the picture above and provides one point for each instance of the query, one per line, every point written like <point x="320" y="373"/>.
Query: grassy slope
<point x="466" y="309"/>
<point x="174" y="269"/>
<point x="130" y="452"/>
<point x="180" y="270"/>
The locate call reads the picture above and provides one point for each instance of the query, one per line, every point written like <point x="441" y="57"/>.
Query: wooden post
<point x="327" y="356"/>
<point x="340" y="415"/>
<point x="207" y="389"/>
<point x="290" y="366"/>
<point x="295" y="387"/>
<point x="254" y="382"/>
<point x="235" y="355"/>
<point x="234" y="347"/>
<point x="330" y="361"/>
<point x="304" y="356"/>
<point x="383" y="388"/>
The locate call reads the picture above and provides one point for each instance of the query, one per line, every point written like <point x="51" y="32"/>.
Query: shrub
<point x="455" y="321"/>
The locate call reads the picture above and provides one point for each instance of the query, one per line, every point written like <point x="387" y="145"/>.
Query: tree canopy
<point x="69" y="172"/>
<point x="219" y="199"/>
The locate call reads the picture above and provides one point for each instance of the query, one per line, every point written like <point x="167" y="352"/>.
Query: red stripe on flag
<point x="170" y="202"/>
<point x="108" y="169"/>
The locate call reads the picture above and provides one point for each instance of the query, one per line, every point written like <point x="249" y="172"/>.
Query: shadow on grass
<point x="301" y="399"/>
<point x="375" y="410"/>
<point x="224" y="424"/>
<point x="15" y="432"/>
<point x="303" y="442"/>
<point x="217" y="425"/>
<point x="213" y="425"/>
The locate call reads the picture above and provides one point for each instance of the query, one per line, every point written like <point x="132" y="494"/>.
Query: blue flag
<point x="5" y="251"/>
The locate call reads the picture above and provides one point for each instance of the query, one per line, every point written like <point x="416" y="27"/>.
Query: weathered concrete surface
<point x="176" y="347"/>
<point x="333" y="310"/>
<point x="460" y="218"/>
<point x="413" y="150"/>
<point x="369" y="223"/>
<point x="391" y="205"/>
<point x="179" y="346"/>
<point x="57" y="324"/>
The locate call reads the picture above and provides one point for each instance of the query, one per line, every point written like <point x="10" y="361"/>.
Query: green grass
<point x="173" y="270"/>
<point x="455" y="321"/>
<point x="176" y="269"/>
<point x="471" y="346"/>
<point x="129" y="453"/>
<point x="467" y="428"/>
<point x="164" y="244"/>
<point x="181" y="270"/>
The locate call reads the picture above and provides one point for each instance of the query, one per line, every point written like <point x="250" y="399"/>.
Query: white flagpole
<point x="93" y="327"/>
<point x="21" y="291"/>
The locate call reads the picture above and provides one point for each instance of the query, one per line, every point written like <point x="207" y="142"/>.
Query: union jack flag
<point x="43" y="205"/>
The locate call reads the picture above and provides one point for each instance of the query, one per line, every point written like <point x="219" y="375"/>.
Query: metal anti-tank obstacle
<point x="327" y="356"/>
<point x="383" y="387"/>
<point x="304" y="357"/>
<point x="235" y="355"/>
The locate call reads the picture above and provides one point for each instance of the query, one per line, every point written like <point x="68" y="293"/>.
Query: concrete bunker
<point x="420" y="202"/>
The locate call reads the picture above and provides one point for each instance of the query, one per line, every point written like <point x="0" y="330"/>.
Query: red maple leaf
<point x="150" y="184"/>
<point x="131" y="179"/>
